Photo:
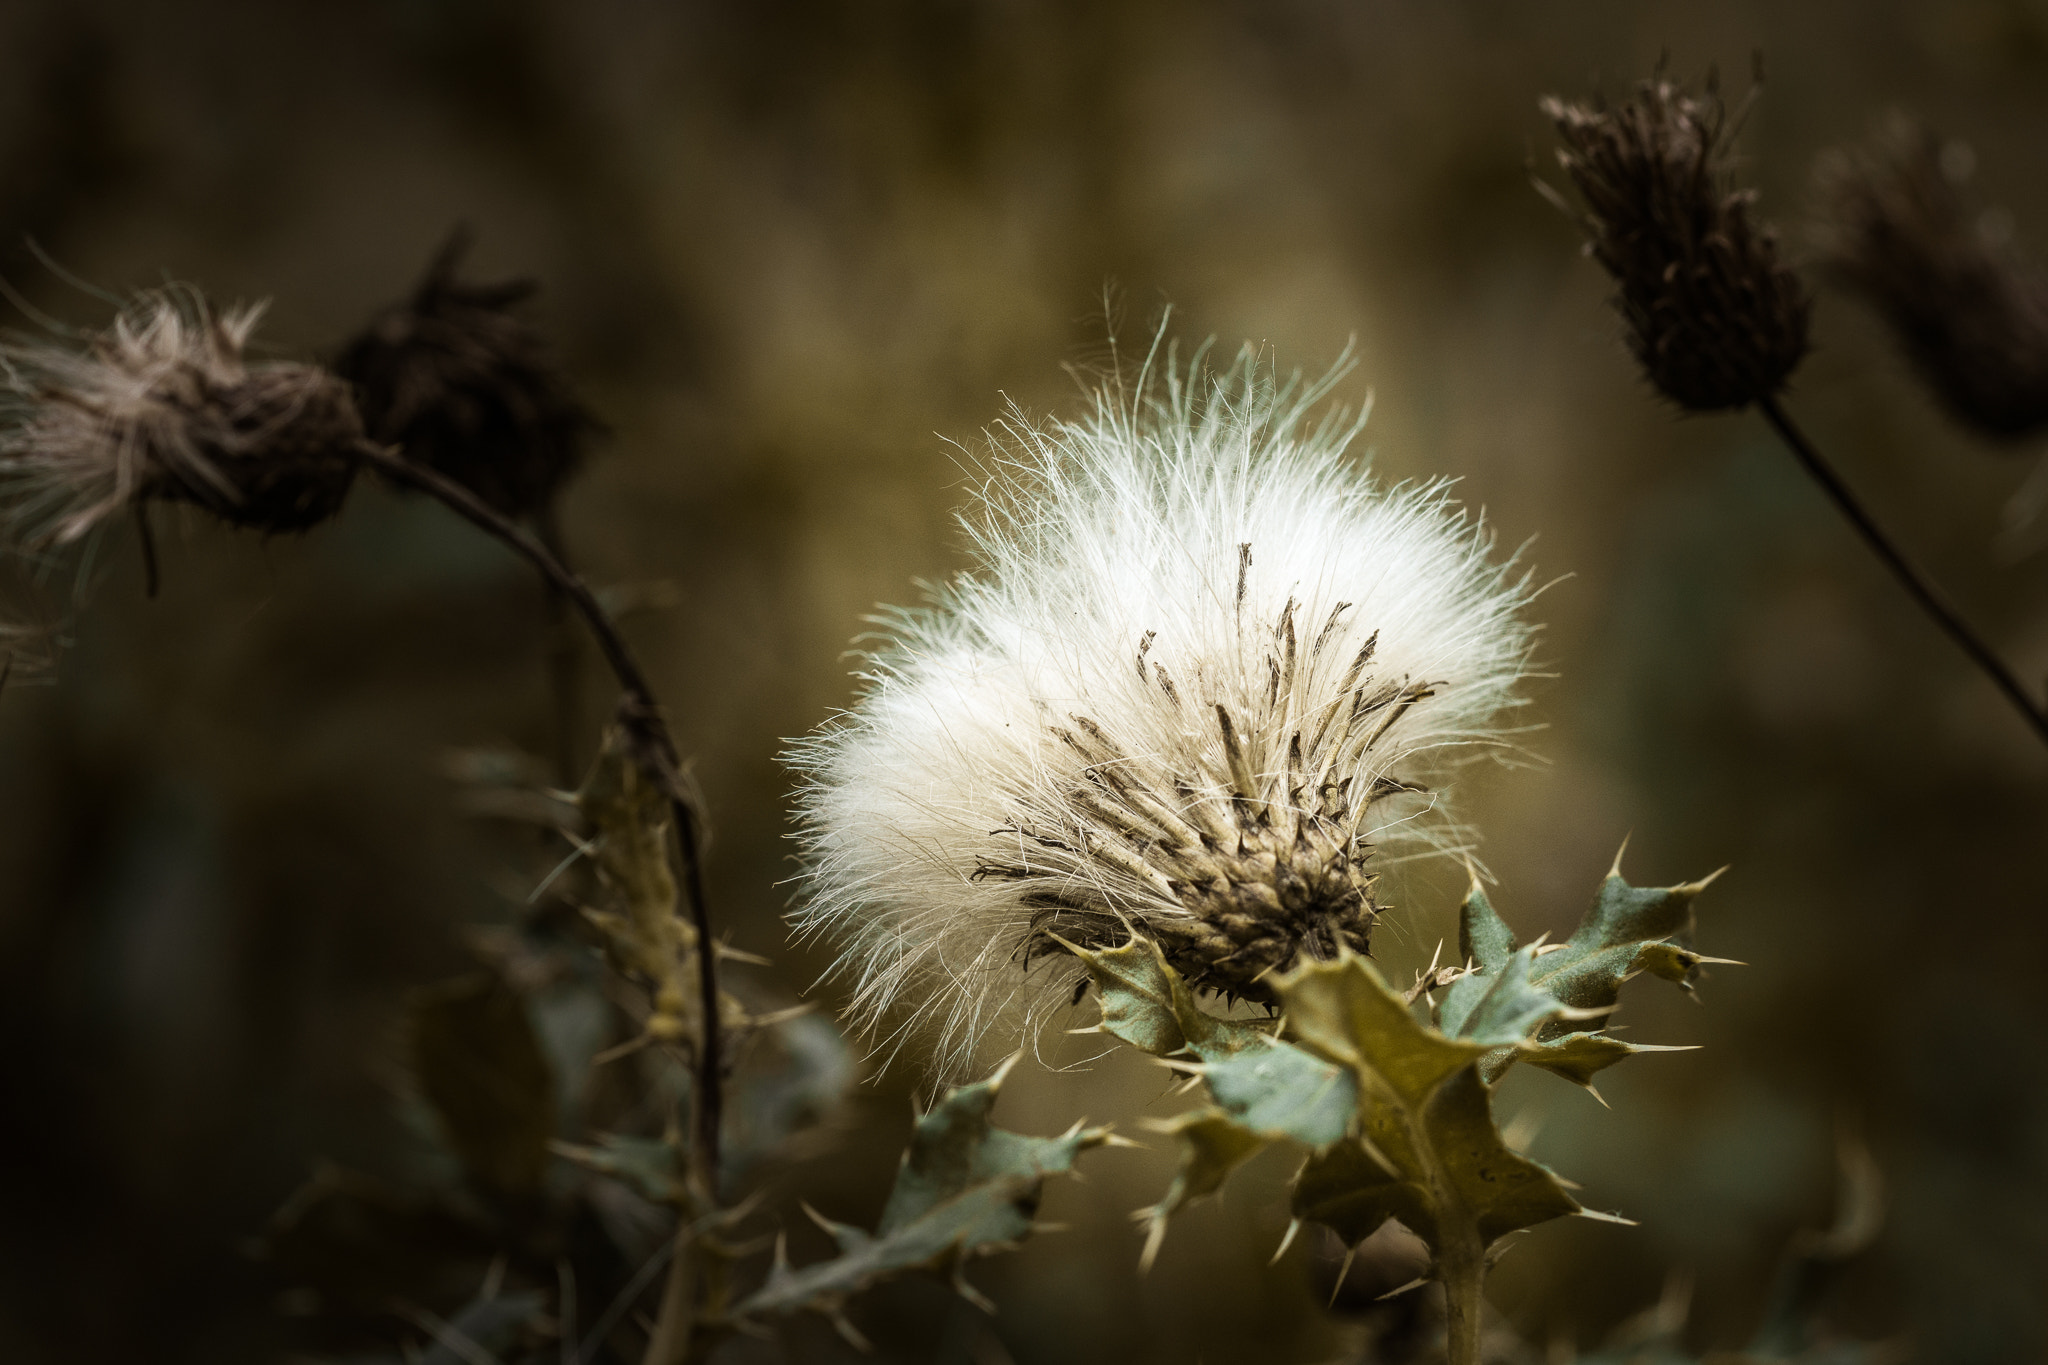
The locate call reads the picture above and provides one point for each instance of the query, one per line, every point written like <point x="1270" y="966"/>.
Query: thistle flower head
<point x="1715" y="321"/>
<point x="1970" y="311"/>
<point x="165" y="404"/>
<point x="466" y="386"/>
<point x="1201" y="675"/>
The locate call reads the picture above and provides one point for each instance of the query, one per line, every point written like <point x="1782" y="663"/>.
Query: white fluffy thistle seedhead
<point x="165" y="404"/>
<point x="1198" y="681"/>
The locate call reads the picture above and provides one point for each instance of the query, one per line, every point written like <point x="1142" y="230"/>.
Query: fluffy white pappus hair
<point x="1203" y="671"/>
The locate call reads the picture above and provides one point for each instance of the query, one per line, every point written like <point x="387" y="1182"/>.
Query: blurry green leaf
<point x="654" y="1167"/>
<point x="966" y="1189"/>
<point x="484" y="1329"/>
<point x="362" y="1242"/>
<point x="1813" y="1261"/>
<point x="482" y="1070"/>
<point x="1790" y="1333"/>
<point x="794" y="1076"/>
<point x="629" y="820"/>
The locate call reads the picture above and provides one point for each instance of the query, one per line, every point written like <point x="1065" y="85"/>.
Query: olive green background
<point x="791" y="251"/>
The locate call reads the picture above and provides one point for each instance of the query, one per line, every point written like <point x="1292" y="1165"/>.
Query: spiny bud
<point x="1714" y="319"/>
<point x="1197" y="681"/>
<point x="164" y="405"/>
<point x="466" y="386"/>
<point x="1970" y="311"/>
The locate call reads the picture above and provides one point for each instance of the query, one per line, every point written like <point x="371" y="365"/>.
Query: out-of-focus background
<point x="790" y="251"/>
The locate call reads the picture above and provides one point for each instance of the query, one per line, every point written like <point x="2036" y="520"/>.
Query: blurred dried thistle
<point x="1967" y="306"/>
<point x="164" y="404"/>
<point x="468" y="387"/>
<point x="1714" y="319"/>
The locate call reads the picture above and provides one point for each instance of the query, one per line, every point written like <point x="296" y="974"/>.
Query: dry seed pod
<point x="165" y="405"/>
<point x="1714" y="319"/>
<point x="1970" y="311"/>
<point x="466" y="386"/>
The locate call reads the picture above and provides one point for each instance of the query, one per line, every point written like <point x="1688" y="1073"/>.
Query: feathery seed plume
<point x="164" y="404"/>
<point x="1968" y="308"/>
<point x="1200" y="675"/>
<point x="1715" y="321"/>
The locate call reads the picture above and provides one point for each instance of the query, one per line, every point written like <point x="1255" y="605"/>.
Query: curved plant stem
<point x="1916" y="584"/>
<point x="641" y="715"/>
<point x="561" y="657"/>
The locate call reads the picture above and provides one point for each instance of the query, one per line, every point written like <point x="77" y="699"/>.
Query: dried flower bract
<point x="466" y="386"/>
<point x="1970" y="311"/>
<point x="1714" y="319"/>
<point x="1202" y="672"/>
<point x="164" y="404"/>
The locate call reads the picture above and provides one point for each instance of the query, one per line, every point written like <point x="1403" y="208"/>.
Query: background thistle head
<point x="469" y="387"/>
<point x="165" y="405"/>
<point x="1969" y="309"/>
<point x="1713" y="317"/>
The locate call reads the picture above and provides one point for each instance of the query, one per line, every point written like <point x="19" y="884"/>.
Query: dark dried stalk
<point x="641" y="715"/>
<point x="561" y="656"/>
<point x="1916" y="584"/>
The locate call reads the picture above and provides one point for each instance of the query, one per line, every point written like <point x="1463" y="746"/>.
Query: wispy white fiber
<point x="1203" y="669"/>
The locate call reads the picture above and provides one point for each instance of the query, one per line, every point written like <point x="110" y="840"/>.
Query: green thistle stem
<point x="1461" y="1265"/>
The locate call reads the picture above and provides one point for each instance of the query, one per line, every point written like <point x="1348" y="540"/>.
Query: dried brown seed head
<point x="165" y="405"/>
<point x="1713" y="317"/>
<point x="1970" y="310"/>
<point x="466" y="386"/>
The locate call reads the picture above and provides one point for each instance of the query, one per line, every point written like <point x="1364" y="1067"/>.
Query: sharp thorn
<point x="1293" y="1227"/>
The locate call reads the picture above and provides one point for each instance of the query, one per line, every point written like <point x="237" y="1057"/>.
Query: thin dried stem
<point x="641" y="715"/>
<point x="1917" y="585"/>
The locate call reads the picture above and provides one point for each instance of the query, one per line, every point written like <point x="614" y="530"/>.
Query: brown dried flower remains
<point x="1969" y="309"/>
<point x="466" y="386"/>
<point x="165" y="405"/>
<point x="1716" y="321"/>
<point x="1268" y="867"/>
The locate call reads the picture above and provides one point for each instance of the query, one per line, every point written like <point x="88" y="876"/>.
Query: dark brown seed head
<point x="466" y="386"/>
<point x="1715" y="320"/>
<point x="1970" y="311"/>
<point x="277" y="450"/>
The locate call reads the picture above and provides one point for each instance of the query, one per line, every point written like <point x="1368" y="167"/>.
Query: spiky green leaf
<point x="1428" y="1151"/>
<point x="1212" y="1145"/>
<point x="966" y="1189"/>
<point x="1346" y="1011"/>
<point x="1136" y="990"/>
<point x="1627" y="930"/>
<point x="1266" y="1085"/>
